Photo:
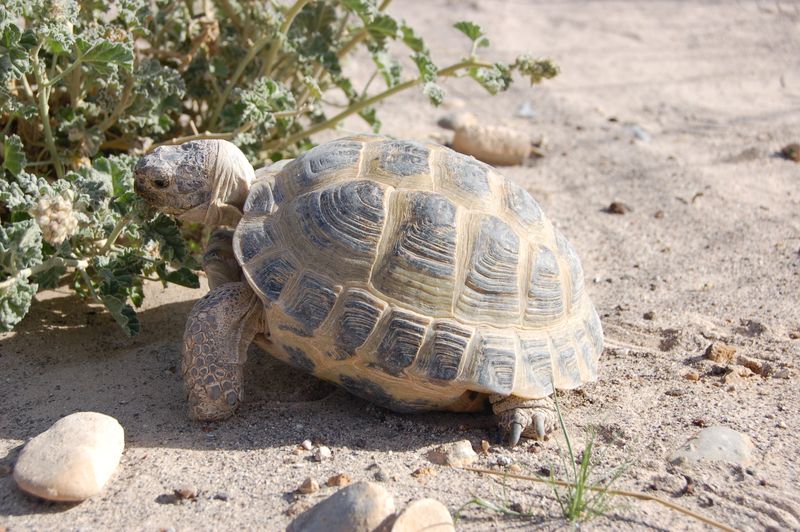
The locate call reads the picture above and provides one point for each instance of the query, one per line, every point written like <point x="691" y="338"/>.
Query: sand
<point x="675" y="109"/>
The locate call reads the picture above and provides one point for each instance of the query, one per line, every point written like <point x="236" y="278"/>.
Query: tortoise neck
<point x="231" y="177"/>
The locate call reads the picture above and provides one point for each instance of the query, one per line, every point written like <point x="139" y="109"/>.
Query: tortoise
<point x="412" y="276"/>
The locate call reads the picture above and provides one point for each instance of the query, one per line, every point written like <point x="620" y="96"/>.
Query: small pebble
<point x="756" y="366"/>
<point x="423" y="472"/>
<point x="454" y="454"/>
<point x="526" y="111"/>
<point x="617" y="207"/>
<point x="791" y="152"/>
<point x="307" y="445"/>
<point x="340" y="480"/>
<point x="517" y="507"/>
<point x="692" y="376"/>
<point x="185" y="492"/>
<point x="362" y="506"/>
<point x="781" y="425"/>
<point x="222" y="496"/>
<point x="514" y="468"/>
<point x="649" y="315"/>
<point x="425" y="514"/>
<point x="380" y="475"/>
<point x="720" y="352"/>
<point x="503" y="460"/>
<point x="659" y="215"/>
<point x="309" y="485"/>
<point x="322" y="453"/>
<point x="485" y="446"/>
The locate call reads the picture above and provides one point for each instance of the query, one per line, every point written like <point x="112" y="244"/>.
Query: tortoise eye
<point x="161" y="182"/>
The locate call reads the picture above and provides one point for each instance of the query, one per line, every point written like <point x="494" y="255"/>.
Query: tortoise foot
<point x="529" y="418"/>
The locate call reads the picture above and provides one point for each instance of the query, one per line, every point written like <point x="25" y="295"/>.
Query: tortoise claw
<point x="514" y="434"/>
<point x="539" y="425"/>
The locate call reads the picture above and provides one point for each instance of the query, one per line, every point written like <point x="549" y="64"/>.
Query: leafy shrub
<point x="87" y="86"/>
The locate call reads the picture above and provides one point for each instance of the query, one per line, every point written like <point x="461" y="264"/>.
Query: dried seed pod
<point x="497" y="145"/>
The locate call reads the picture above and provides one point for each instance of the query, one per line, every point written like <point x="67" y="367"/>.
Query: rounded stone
<point x="425" y="514"/>
<point x="456" y="454"/>
<point x="360" y="507"/>
<point x="717" y="443"/>
<point x="73" y="459"/>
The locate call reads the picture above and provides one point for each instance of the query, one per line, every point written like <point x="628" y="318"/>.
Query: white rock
<point x="73" y="459"/>
<point x="306" y="445"/>
<point x="455" y="454"/>
<point x="717" y="443"/>
<point x="360" y="507"/>
<point x="322" y="453"/>
<point x="425" y="514"/>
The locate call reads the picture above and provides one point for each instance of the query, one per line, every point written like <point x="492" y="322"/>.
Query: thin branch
<point x="44" y="266"/>
<point x="251" y="54"/>
<point x="212" y="136"/>
<point x="123" y="104"/>
<point x="450" y="71"/>
<point x="360" y="36"/>
<point x="282" y="33"/>
<point x="43" y="89"/>
<point x="620" y="493"/>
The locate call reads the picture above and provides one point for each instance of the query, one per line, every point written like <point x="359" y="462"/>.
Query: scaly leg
<point x="219" y="261"/>
<point x="219" y="330"/>
<point x="531" y="418"/>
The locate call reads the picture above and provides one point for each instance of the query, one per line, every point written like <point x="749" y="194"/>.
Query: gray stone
<point x="73" y="459"/>
<point x="717" y="443"/>
<point x="425" y="514"/>
<point x="360" y="507"/>
<point x="454" y="454"/>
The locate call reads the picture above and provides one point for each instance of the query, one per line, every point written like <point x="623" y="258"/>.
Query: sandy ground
<point x="716" y="88"/>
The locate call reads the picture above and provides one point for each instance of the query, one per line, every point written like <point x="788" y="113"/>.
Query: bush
<point x="88" y="86"/>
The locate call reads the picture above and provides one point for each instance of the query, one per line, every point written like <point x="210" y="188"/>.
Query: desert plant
<point x="87" y="86"/>
<point x="582" y="498"/>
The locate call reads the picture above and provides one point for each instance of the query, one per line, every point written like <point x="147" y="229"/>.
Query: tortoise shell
<point x="415" y="277"/>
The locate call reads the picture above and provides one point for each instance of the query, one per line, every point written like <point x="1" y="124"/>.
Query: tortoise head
<point x="195" y="179"/>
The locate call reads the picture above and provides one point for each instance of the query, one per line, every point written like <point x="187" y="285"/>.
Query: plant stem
<point x="46" y="265"/>
<point x="211" y="136"/>
<point x="252" y="53"/>
<point x="119" y="227"/>
<point x="88" y="282"/>
<point x="58" y="77"/>
<point x="283" y="31"/>
<point x="450" y="71"/>
<point x="620" y="493"/>
<point x="123" y="104"/>
<point x="43" y="91"/>
<point x="360" y="36"/>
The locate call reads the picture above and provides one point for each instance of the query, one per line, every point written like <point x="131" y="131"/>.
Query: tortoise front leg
<point x="219" y="330"/>
<point x="219" y="261"/>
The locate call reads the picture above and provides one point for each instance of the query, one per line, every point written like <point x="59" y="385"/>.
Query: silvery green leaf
<point x="101" y="55"/>
<point x="13" y="155"/>
<point x="20" y="246"/>
<point x="15" y="300"/>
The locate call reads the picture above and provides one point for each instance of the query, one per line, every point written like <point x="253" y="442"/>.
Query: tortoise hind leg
<point x="531" y="418"/>
<point x="219" y="330"/>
